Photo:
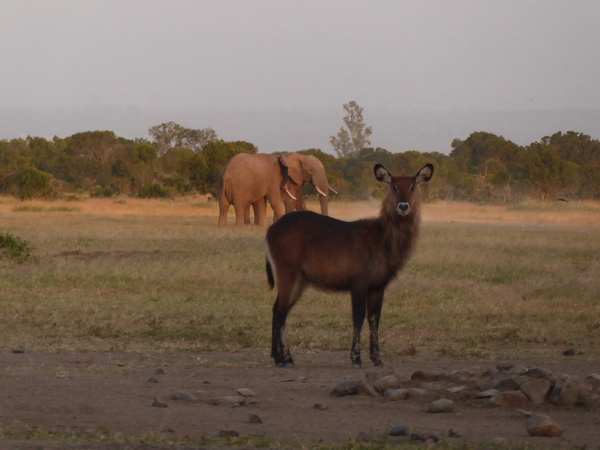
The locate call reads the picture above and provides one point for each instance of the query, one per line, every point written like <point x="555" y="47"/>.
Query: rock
<point x="399" y="430"/>
<point x="538" y="372"/>
<point x="416" y="392"/>
<point x="228" y="433"/>
<point x="508" y="382"/>
<point x="159" y="371"/>
<point x="245" y="392"/>
<point x="467" y="375"/>
<point x="443" y="405"/>
<point x="513" y="399"/>
<point x="232" y="400"/>
<point x="569" y="352"/>
<point x="253" y="418"/>
<point x="411" y="350"/>
<point x="182" y="395"/>
<point x="374" y="374"/>
<point x="387" y="382"/>
<point x="521" y="414"/>
<point x="536" y="389"/>
<point x="454" y="433"/>
<point x="565" y="392"/>
<point x="320" y="406"/>
<point x="346" y="387"/>
<point x="505" y="366"/>
<point x="543" y="425"/>
<point x="363" y="388"/>
<point x="487" y="393"/>
<point x="458" y="393"/>
<point x="152" y="380"/>
<point x="593" y="380"/>
<point x="18" y="348"/>
<point x="396" y="394"/>
<point x="158" y="403"/>
<point x="429" y="375"/>
<point x="424" y="436"/>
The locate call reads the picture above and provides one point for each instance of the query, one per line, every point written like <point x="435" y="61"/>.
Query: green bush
<point x="154" y="191"/>
<point x="102" y="192"/>
<point x="13" y="248"/>
<point x="31" y="183"/>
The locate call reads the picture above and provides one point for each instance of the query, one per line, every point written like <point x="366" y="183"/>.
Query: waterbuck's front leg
<point x="359" y="306"/>
<point x="374" y="314"/>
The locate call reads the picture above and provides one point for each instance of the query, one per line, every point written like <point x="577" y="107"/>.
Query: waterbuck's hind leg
<point x="358" y="318"/>
<point x="374" y="314"/>
<point x="280" y="352"/>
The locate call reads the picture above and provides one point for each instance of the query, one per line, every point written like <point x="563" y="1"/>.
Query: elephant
<point x="249" y="179"/>
<point x="302" y="169"/>
<point x="252" y="180"/>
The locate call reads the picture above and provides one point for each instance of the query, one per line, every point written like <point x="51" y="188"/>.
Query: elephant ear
<point x="284" y="171"/>
<point x="294" y="167"/>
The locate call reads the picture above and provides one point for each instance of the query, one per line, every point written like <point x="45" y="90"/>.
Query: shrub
<point x="154" y="191"/>
<point x="31" y="183"/>
<point x="102" y="192"/>
<point x="13" y="248"/>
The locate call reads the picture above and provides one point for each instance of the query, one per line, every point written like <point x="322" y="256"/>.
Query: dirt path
<point x="84" y="392"/>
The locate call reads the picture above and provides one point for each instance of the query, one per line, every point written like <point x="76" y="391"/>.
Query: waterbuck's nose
<point x="403" y="208"/>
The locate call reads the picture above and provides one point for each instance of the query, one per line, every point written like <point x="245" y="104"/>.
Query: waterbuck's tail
<point x="270" y="278"/>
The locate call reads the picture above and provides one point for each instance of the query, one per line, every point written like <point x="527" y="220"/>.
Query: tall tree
<point x="170" y="135"/>
<point x="355" y="136"/>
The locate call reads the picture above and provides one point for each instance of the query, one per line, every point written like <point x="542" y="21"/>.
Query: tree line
<point x="177" y="160"/>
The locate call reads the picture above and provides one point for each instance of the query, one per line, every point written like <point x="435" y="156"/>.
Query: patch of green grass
<point x="64" y="209"/>
<point x="14" y="249"/>
<point x="29" y="208"/>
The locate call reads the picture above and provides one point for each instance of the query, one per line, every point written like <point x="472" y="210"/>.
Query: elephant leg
<point x="247" y="214"/>
<point x="260" y="212"/>
<point x="239" y="213"/>
<point x="223" y="210"/>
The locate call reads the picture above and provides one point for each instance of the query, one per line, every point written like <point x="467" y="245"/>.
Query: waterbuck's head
<point x="402" y="197"/>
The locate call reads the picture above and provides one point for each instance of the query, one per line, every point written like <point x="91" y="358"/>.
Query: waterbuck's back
<point x="330" y="253"/>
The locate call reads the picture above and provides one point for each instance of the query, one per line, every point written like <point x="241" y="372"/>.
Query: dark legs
<point x="366" y="303"/>
<point x="280" y="351"/>
<point x="374" y="314"/>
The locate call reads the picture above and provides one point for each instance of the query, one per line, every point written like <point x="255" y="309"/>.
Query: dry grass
<point x="486" y="282"/>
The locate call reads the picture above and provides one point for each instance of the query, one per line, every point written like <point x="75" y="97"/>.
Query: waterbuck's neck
<point x="399" y="232"/>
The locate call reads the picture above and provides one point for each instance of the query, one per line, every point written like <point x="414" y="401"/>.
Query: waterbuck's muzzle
<point x="403" y="208"/>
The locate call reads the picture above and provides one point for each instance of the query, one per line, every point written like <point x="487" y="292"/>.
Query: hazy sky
<point x="160" y="57"/>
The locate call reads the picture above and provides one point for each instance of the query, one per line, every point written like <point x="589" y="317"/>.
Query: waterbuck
<point x="307" y="249"/>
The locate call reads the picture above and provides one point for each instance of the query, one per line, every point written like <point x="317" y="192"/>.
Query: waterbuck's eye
<point x="395" y="188"/>
<point x="412" y="187"/>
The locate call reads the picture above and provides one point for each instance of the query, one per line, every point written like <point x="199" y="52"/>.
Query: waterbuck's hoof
<point x="285" y="364"/>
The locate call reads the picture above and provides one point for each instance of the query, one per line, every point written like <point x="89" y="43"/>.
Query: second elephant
<point x="305" y="169"/>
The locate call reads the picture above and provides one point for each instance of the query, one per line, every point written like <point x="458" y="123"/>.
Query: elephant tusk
<point x="333" y="190"/>
<point x="289" y="193"/>
<point x="320" y="191"/>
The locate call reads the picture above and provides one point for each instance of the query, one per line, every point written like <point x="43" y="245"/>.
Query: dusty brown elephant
<point x="301" y="169"/>
<point x="305" y="169"/>
<point x="248" y="180"/>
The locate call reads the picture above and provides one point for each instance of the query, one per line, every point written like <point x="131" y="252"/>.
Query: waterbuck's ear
<point x="382" y="174"/>
<point x="424" y="174"/>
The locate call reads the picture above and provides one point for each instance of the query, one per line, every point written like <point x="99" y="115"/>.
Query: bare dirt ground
<point x="88" y="392"/>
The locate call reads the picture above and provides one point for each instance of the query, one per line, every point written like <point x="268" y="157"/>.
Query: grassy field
<point x="150" y="275"/>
